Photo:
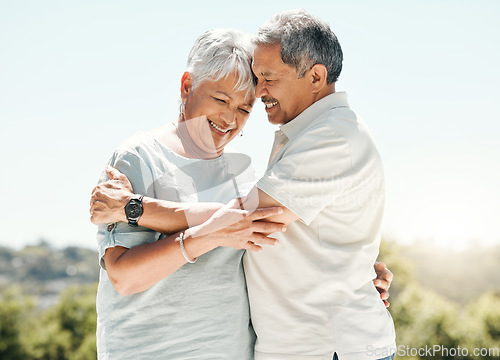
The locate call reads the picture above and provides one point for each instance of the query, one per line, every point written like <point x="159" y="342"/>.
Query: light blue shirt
<point x="199" y="312"/>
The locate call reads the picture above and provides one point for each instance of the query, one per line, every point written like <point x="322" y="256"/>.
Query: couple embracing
<point x="202" y="260"/>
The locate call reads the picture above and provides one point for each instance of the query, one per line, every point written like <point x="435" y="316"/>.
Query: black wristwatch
<point x="133" y="209"/>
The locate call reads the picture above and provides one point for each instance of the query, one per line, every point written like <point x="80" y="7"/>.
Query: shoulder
<point x="137" y="144"/>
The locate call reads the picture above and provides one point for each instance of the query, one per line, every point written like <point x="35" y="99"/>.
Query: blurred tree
<point x="426" y="320"/>
<point x="13" y="306"/>
<point x="67" y="330"/>
<point x="483" y="325"/>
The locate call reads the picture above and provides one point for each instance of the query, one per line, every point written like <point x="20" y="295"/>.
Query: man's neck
<point x="327" y="90"/>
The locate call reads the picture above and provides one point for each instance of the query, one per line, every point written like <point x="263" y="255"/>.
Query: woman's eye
<point x="244" y="111"/>
<point x="220" y="100"/>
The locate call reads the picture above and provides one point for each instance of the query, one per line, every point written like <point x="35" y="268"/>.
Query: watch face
<point x="133" y="210"/>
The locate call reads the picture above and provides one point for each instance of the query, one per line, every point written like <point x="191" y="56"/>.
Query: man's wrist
<point x="124" y="202"/>
<point x="134" y="209"/>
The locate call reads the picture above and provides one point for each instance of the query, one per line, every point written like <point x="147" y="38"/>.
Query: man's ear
<point x="318" y="74"/>
<point x="186" y="85"/>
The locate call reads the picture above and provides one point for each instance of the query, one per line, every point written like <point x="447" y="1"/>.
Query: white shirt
<point x="313" y="295"/>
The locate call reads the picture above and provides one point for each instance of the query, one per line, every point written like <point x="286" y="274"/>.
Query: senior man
<point x="311" y="297"/>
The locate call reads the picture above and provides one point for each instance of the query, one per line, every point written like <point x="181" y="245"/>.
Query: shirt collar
<point x="295" y="126"/>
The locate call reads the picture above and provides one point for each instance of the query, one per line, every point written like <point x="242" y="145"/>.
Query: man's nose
<point x="260" y="90"/>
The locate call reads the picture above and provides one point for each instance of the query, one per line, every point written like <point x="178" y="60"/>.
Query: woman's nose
<point x="229" y="117"/>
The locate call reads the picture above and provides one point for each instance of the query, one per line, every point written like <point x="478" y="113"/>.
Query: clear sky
<point x="78" y="77"/>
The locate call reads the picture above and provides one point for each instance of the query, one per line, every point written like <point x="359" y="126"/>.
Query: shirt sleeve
<point x="314" y="170"/>
<point x="121" y="234"/>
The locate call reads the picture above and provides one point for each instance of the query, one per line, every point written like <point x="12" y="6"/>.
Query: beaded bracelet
<point x="181" y="241"/>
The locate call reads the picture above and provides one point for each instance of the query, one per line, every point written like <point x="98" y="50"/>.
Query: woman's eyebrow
<point x="224" y="93"/>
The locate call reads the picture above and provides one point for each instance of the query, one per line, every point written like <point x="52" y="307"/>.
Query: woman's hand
<point x="109" y="198"/>
<point x="383" y="281"/>
<point x="233" y="227"/>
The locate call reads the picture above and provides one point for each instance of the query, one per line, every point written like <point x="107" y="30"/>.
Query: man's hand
<point x="383" y="281"/>
<point x="109" y="198"/>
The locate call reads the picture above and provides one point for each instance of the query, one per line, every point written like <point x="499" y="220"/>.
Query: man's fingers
<point x="113" y="173"/>
<point x="263" y="213"/>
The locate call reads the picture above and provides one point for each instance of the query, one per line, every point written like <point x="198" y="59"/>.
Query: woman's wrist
<point x="196" y="242"/>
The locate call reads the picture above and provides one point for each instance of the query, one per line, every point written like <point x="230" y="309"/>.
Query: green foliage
<point x="68" y="328"/>
<point x="485" y="314"/>
<point x="65" y="331"/>
<point x="13" y="307"/>
<point x="424" y="316"/>
<point x="425" y="319"/>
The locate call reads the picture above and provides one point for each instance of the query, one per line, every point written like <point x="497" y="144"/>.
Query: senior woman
<point x="157" y="297"/>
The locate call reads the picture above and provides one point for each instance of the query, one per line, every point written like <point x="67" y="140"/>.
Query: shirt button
<point x="111" y="227"/>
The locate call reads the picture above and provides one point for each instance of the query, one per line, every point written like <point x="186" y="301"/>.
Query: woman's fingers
<point x="267" y="227"/>
<point x="253" y="247"/>
<point x="262" y="213"/>
<point x="265" y="240"/>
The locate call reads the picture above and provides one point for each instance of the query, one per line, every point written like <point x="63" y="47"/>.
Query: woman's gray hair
<point x="220" y="52"/>
<point x="305" y="41"/>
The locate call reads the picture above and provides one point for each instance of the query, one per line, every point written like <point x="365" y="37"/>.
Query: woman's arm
<point x="139" y="268"/>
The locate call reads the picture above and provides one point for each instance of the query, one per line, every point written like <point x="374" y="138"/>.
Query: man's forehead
<point x="267" y="61"/>
<point x="264" y="68"/>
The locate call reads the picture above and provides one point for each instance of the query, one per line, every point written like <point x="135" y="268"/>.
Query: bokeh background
<point x="78" y="77"/>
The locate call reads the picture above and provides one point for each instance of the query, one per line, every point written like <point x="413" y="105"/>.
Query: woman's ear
<point x="318" y="75"/>
<point x="186" y="85"/>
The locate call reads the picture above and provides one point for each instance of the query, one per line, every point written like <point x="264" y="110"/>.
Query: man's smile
<point x="269" y="103"/>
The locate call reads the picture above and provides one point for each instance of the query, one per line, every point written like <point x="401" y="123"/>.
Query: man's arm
<point x="140" y="267"/>
<point x="109" y="198"/>
<point x="258" y="198"/>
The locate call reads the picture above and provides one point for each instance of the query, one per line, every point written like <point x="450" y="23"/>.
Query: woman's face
<point x="215" y="113"/>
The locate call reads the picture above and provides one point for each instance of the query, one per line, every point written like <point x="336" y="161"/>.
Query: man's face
<point x="284" y="95"/>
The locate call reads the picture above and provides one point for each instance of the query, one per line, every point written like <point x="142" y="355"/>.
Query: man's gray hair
<point x="217" y="54"/>
<point x="305" y="41"/>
